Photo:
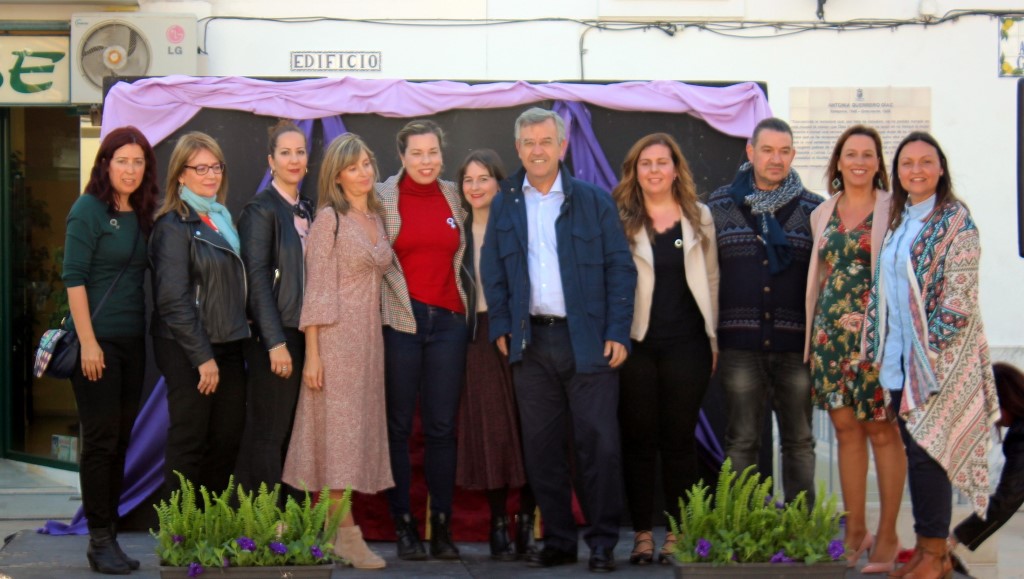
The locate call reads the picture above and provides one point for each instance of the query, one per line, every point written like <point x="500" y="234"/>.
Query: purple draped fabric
<point x="588" y="160"/>
<point x="160" y="106"/>
<point x="144" y="463"/>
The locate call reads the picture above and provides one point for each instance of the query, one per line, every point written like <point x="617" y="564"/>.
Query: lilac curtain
<point x="160" y="106"/>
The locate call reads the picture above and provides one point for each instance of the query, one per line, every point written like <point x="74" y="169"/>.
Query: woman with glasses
<point x="199" y="324"/>
<point x="424" y="314"/>
<point x="105" y="262"/>
<point x="273" y="228"/>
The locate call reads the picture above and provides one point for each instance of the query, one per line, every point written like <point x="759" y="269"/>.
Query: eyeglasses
<point x="203" y="169"/>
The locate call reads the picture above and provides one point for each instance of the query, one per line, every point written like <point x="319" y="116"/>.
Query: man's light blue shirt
<point x="546" y="297"/>
<point x="899" y="326"/>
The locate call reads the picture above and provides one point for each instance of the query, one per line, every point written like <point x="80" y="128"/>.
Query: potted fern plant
<point x="246" y="534"/>
<point x="739" y="530"/>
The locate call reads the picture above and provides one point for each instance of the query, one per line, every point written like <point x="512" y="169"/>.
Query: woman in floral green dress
<point x="848" y="230"/>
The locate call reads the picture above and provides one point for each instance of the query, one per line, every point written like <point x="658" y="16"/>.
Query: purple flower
<point x="178" y="539"/>
<point x="703" y="548"/>
<point x="278" y="548"/>
<point x="836" y="549"/>
<point x="246" y="544"/>
<point x="317" y="553"/>
<point x="780" y="557"/>
<point x="195" y="569"/>
<point x="226" y="562"/>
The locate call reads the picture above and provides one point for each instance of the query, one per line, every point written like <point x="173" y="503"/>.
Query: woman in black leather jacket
<point x="199" y="322"/>
<point x="273" y="227"/>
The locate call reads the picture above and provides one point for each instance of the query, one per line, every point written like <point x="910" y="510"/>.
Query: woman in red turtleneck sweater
<point x="424" y="315"/>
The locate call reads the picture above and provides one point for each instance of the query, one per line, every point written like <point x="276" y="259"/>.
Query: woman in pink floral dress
<point x="340" y="435"/>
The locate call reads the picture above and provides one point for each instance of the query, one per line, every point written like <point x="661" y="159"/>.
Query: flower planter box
<point x="282" y="572"/>
<point x="830" y="570"/>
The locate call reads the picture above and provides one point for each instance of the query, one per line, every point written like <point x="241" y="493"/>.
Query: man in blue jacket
<point x="559" y="281"/>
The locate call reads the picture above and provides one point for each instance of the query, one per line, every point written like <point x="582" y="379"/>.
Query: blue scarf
<point x="763" y="205"/>
<point x="216" y="212"/>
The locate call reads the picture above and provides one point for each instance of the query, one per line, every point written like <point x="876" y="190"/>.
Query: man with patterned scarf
<point x="762" y="222"/>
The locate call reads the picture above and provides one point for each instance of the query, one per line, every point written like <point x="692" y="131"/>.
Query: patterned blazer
<point x="396" y="307"/>
<point x="950" y="400"/>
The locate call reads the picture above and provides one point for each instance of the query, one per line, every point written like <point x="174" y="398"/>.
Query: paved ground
<point x="29" y="496"/>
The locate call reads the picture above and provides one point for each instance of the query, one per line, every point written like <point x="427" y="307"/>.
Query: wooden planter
<point x="282" y="572"/>
<point x="829" y="570"/>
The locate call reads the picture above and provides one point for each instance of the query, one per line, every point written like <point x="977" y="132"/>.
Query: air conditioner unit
<point x="128" y="44"/>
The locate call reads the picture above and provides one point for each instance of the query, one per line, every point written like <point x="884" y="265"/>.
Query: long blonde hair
<point x="189" y="144"/>
<point x="341" y="153"/>
<point x="630" y="198"/>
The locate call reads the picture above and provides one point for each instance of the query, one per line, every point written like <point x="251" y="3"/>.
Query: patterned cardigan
<point x="949" y="399"/>
<point x="395" y="305"/>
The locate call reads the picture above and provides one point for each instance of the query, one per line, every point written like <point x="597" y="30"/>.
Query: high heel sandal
<point x="865" y="544"/>
<point x="667" y="550"/>
<point x="882" y="566"/>
<point x="643" y="548"/>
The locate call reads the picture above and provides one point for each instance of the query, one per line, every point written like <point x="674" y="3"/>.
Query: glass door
<point x="41" y="181"/>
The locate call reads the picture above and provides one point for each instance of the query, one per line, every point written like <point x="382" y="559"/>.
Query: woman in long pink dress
<point x="340" y="435"/>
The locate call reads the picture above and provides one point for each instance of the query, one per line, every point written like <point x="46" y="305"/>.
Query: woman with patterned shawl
<point x="924" y="328"/>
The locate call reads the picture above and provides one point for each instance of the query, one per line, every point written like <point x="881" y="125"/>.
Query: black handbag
<point x="57" y="354"/>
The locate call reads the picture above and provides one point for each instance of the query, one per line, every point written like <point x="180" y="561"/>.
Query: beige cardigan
<point x="819" y="220"/>
<point x="701" y="264"/>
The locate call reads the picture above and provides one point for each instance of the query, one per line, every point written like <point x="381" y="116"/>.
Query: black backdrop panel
<point x="713" y="156"/>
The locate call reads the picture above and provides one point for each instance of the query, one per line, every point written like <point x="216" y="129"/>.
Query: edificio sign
<point x="34" y="70"/>
<point x="332" y="61"/>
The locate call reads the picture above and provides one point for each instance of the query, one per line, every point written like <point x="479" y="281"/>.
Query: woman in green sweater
<point x="107" y="230"/>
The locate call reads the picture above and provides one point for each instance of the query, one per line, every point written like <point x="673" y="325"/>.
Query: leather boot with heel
<point x="351" y="547"/>
<point x="410" y="548"/>
<point x="441" y="545"/>
<point x="935" y="562"/>
<point x="526" y="544"/>
<point x="133" y="564"/>
<point x="502" y="548"/>
<point x="102" y="555"/>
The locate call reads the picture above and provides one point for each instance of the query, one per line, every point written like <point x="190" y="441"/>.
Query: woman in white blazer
<point x="674" y="352"/>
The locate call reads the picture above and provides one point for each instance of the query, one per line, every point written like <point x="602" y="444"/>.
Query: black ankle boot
<point x="526" y="545"/>
<point x="133" y="564"/>
<point x="103" y="558"/>
<point x="441" y="545"/>
<point x="502" y="548"/>
<point x="409" y="546"/>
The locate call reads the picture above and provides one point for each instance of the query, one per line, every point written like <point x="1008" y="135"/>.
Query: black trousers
<point x="554" y="401"/>
<point x="270" y="411"/>
<point x="107" y="409"/>
<point x="1009" y="495"/>
<point x="205" y="431"/>
<point x="663" y="385"/>
<point x="931" y="493"/>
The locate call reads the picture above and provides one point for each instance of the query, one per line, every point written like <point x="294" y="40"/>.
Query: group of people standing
<point x="539" y="326"/>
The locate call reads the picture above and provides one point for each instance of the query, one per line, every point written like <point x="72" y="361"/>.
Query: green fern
<point x="740" y="522"/>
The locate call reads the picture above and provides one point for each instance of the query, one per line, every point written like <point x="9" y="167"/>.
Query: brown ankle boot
<point x="912" y="563"/>
<point x="353" y="549"/>
<point x="935" y="562"/>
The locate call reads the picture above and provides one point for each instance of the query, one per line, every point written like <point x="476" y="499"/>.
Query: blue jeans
<point x="750" y="379"/>
<point x="427" y="366"/>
